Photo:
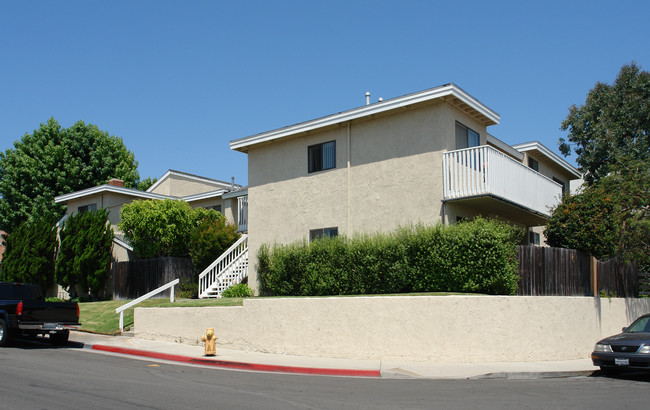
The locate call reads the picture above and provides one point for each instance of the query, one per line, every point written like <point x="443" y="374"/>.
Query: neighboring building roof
<point x="449" y="92"/>
<point x="205" y="195"/>
<point x="545" y="152"/>
<point x="108" y="188"/>
<point x="225" y="185"/>
<point x="234" y="194"/>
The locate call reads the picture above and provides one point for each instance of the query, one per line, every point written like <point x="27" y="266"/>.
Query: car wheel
<point x="59" y="339"/>
<point x="5" y="336"/>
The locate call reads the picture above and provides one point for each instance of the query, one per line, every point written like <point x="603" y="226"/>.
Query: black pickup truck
<point x="24" y="311"/>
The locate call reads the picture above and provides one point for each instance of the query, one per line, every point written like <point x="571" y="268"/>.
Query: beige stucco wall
<point x="108" y="200"/>
<point x="178" y="185"/>
<point x="394" y="177"/>
<point x="440" y="328"/>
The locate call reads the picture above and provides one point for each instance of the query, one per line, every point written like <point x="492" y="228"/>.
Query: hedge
<point x="478" y="256"/>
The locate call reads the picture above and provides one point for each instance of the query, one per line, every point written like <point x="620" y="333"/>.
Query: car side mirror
<point x="624" y="328"/>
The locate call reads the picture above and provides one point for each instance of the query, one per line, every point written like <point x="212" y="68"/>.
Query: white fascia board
<point x="537" y="146"/>
<point x="123" y="244"/>
<point x="368" y="110"/>
<point x="235" y="194"/>
<point x="204" y="195"/>
<point x="171" y="172"/>
<point x="109" y="188"/>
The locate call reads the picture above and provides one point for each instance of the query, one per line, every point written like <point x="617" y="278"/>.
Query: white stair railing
<point x="154" y="292"/>
<point x="230" y="268"/>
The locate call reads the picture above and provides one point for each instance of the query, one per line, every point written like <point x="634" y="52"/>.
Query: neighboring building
<point x="423" y="158"/>
<point x="199" y="192"/>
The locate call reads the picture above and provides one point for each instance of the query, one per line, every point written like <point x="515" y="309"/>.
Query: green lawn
<point x="100" y="317"/>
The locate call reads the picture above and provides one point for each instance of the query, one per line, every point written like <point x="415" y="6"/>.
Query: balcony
<point x="484" y="178"/>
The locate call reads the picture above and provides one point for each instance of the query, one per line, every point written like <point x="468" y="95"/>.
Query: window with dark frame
<point x="87" y="208"/>
<point x="532" y="163"/>
<point x="466" y="137"/>
<point x="533" y="238"/>
<point x="216" y="208"/>
<point x="321" y="156"/>
<point x="323" y="233"/>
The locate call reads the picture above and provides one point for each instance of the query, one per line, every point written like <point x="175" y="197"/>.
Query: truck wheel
<point x="59" y="339"/>
<point x="5" y="337"/>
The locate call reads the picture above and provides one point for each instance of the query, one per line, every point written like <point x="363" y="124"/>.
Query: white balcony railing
<point x="485" y="171"/>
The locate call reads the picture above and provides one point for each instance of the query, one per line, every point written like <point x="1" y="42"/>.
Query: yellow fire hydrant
<point x="209" y="338"/>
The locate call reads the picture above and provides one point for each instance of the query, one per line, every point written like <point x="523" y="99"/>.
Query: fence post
<point x="171" y="295"/>
<point x="594" y="275"/>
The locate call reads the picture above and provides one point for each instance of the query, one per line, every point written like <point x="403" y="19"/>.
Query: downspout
<point x="349" y="178"/>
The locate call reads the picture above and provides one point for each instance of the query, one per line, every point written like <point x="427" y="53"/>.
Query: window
<point x="321" y="156"/>
<point x="532" y="163"/>
<point x="466" y="137"/>
<point x="86" y="208"/>
<point x="561" y="183"/>
<point x="533" y="238"/>
<point x="323" y="233"/>
<point x="216" y="208"/>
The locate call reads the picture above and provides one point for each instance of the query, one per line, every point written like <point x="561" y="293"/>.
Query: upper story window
<point x="321" y="156"/>
<point x="323" y="233"/>
<point x="86" y="208"/>
<point x="532" y="163"/>
<point x="466" y="137"/>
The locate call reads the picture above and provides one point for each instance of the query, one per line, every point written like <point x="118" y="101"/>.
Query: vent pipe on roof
<point x="367" y="97"/>
<point x="380" y="99"/>
<point x="232" y="183"/>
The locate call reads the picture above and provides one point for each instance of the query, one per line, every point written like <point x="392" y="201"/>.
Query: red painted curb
<point x="238" y="365"/>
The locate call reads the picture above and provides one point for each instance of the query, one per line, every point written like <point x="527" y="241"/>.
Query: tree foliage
<point x="54" y="161"/>
<point x="85" y="252"/>
<point x="610" y="134"/>
<point x="612" y="128"/>
<point x="29" y="253"/>
<point x="210" y="237"/>
<point x="585" y="221"/>
<point x="172" y="228"/>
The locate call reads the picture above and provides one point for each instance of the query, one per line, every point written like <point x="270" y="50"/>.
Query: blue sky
<point x="177" y="80"/>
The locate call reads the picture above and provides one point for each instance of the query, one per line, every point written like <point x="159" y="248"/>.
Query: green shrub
<point x="238" y="291"/>
<point x="474" y="257"/>
<point x="55" y="299"/>
<point x="188" y="290"/>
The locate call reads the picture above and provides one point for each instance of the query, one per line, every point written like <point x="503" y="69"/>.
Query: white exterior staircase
<point x="229" y="269"/>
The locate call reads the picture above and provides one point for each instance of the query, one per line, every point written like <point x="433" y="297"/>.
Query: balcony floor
<point x="488" y="205"/>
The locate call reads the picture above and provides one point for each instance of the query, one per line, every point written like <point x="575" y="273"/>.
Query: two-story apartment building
<point x="199" y="192"/>
<point x="425" y="157"/>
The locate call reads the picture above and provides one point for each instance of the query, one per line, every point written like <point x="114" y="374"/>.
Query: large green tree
<point x="53" y="161"/>
<point x="610" y="134"/>
<point x="157" y="228"/>
<point x="29" y="253"/>
<point x="85" y="252"/>
<point x="612" y="128"/>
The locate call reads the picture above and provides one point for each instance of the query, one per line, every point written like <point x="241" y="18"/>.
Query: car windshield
<point x="640" y="325"/>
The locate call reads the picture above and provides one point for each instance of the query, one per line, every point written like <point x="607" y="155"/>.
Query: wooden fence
<point x="548" y="271"/>
<point x="135" y="278"/>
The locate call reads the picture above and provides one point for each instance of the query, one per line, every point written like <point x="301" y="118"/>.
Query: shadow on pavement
<point x="41" y="343"/>
<point x="632" y="375"/>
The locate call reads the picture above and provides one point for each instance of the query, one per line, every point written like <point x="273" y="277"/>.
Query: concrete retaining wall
<point x="441" y="328"/>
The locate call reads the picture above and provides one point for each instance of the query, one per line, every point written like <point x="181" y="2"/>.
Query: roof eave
<point x="489" y="117"/>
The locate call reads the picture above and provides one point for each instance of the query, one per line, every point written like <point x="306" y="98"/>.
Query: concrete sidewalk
<point x="235" y="359"/>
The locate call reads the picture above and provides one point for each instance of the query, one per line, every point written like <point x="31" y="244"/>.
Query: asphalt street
<point x="36" y="375"/>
